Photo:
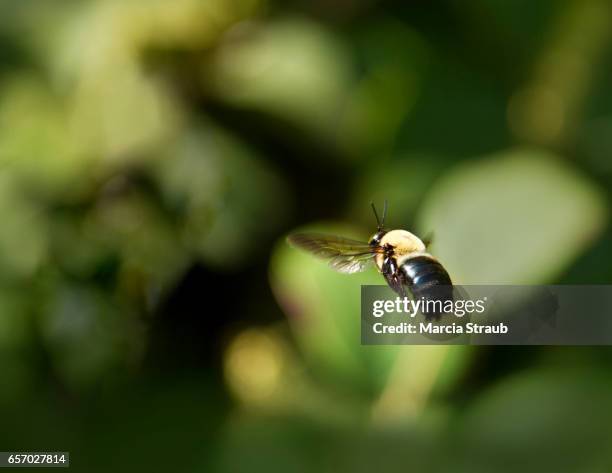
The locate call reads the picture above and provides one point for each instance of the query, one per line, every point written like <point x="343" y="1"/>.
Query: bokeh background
<point x="153" y="156"/>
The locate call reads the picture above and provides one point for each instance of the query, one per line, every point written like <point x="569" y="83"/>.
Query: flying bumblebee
<point x="399" y="255"/>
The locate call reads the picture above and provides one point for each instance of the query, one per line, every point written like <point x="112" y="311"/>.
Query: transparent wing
<point x="344" y="255"/>
<point x="351" y="264"/>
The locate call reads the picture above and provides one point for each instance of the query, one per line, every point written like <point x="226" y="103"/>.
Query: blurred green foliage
<point x="153" y="156"/>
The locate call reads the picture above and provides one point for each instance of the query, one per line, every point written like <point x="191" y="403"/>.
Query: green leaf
<point x="323" y="307"/>
<point x="518" y="217"/>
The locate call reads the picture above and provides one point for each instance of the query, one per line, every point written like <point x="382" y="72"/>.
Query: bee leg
<point x="396" y="283"/>
<point x="394" y="277"/>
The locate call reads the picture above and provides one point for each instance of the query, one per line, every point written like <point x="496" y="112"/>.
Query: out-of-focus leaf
<point x="548" y="110"/>
<point x="23" y="239"/>
<point x="150" y="250"/>
<point x="96" y="58"/>
<point x="227" y="198"/>
<point x="102" y="35"/>
<point x="107" y="105"/>
<point x="544" y="421"/>
<point x="292" y="68"/>
<point x="517" y="217"/>
<point x="323" y="307"/>
<point x="35" y="140"/>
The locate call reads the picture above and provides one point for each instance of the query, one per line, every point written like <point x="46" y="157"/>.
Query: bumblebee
<point x="400" y="256"/>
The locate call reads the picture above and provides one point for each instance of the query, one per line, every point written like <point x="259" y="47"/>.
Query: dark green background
<point x="153" y="156"/>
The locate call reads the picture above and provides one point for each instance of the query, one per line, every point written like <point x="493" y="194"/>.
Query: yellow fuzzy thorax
<point x="404" y="244"/>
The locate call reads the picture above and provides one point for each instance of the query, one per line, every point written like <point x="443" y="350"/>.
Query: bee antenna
<point x="378" y="222"/>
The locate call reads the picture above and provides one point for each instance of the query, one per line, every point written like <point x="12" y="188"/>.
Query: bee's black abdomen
<point x="425" y="271"/>
<point x="428" y="279"/>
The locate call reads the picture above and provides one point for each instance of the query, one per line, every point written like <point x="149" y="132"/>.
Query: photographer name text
<point x="443" y="310"/>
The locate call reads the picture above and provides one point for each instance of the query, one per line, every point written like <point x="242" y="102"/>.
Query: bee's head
<point x="375" y="239"/>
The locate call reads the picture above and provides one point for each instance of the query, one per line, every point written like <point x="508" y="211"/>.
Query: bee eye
<point x="375" y="240"/>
